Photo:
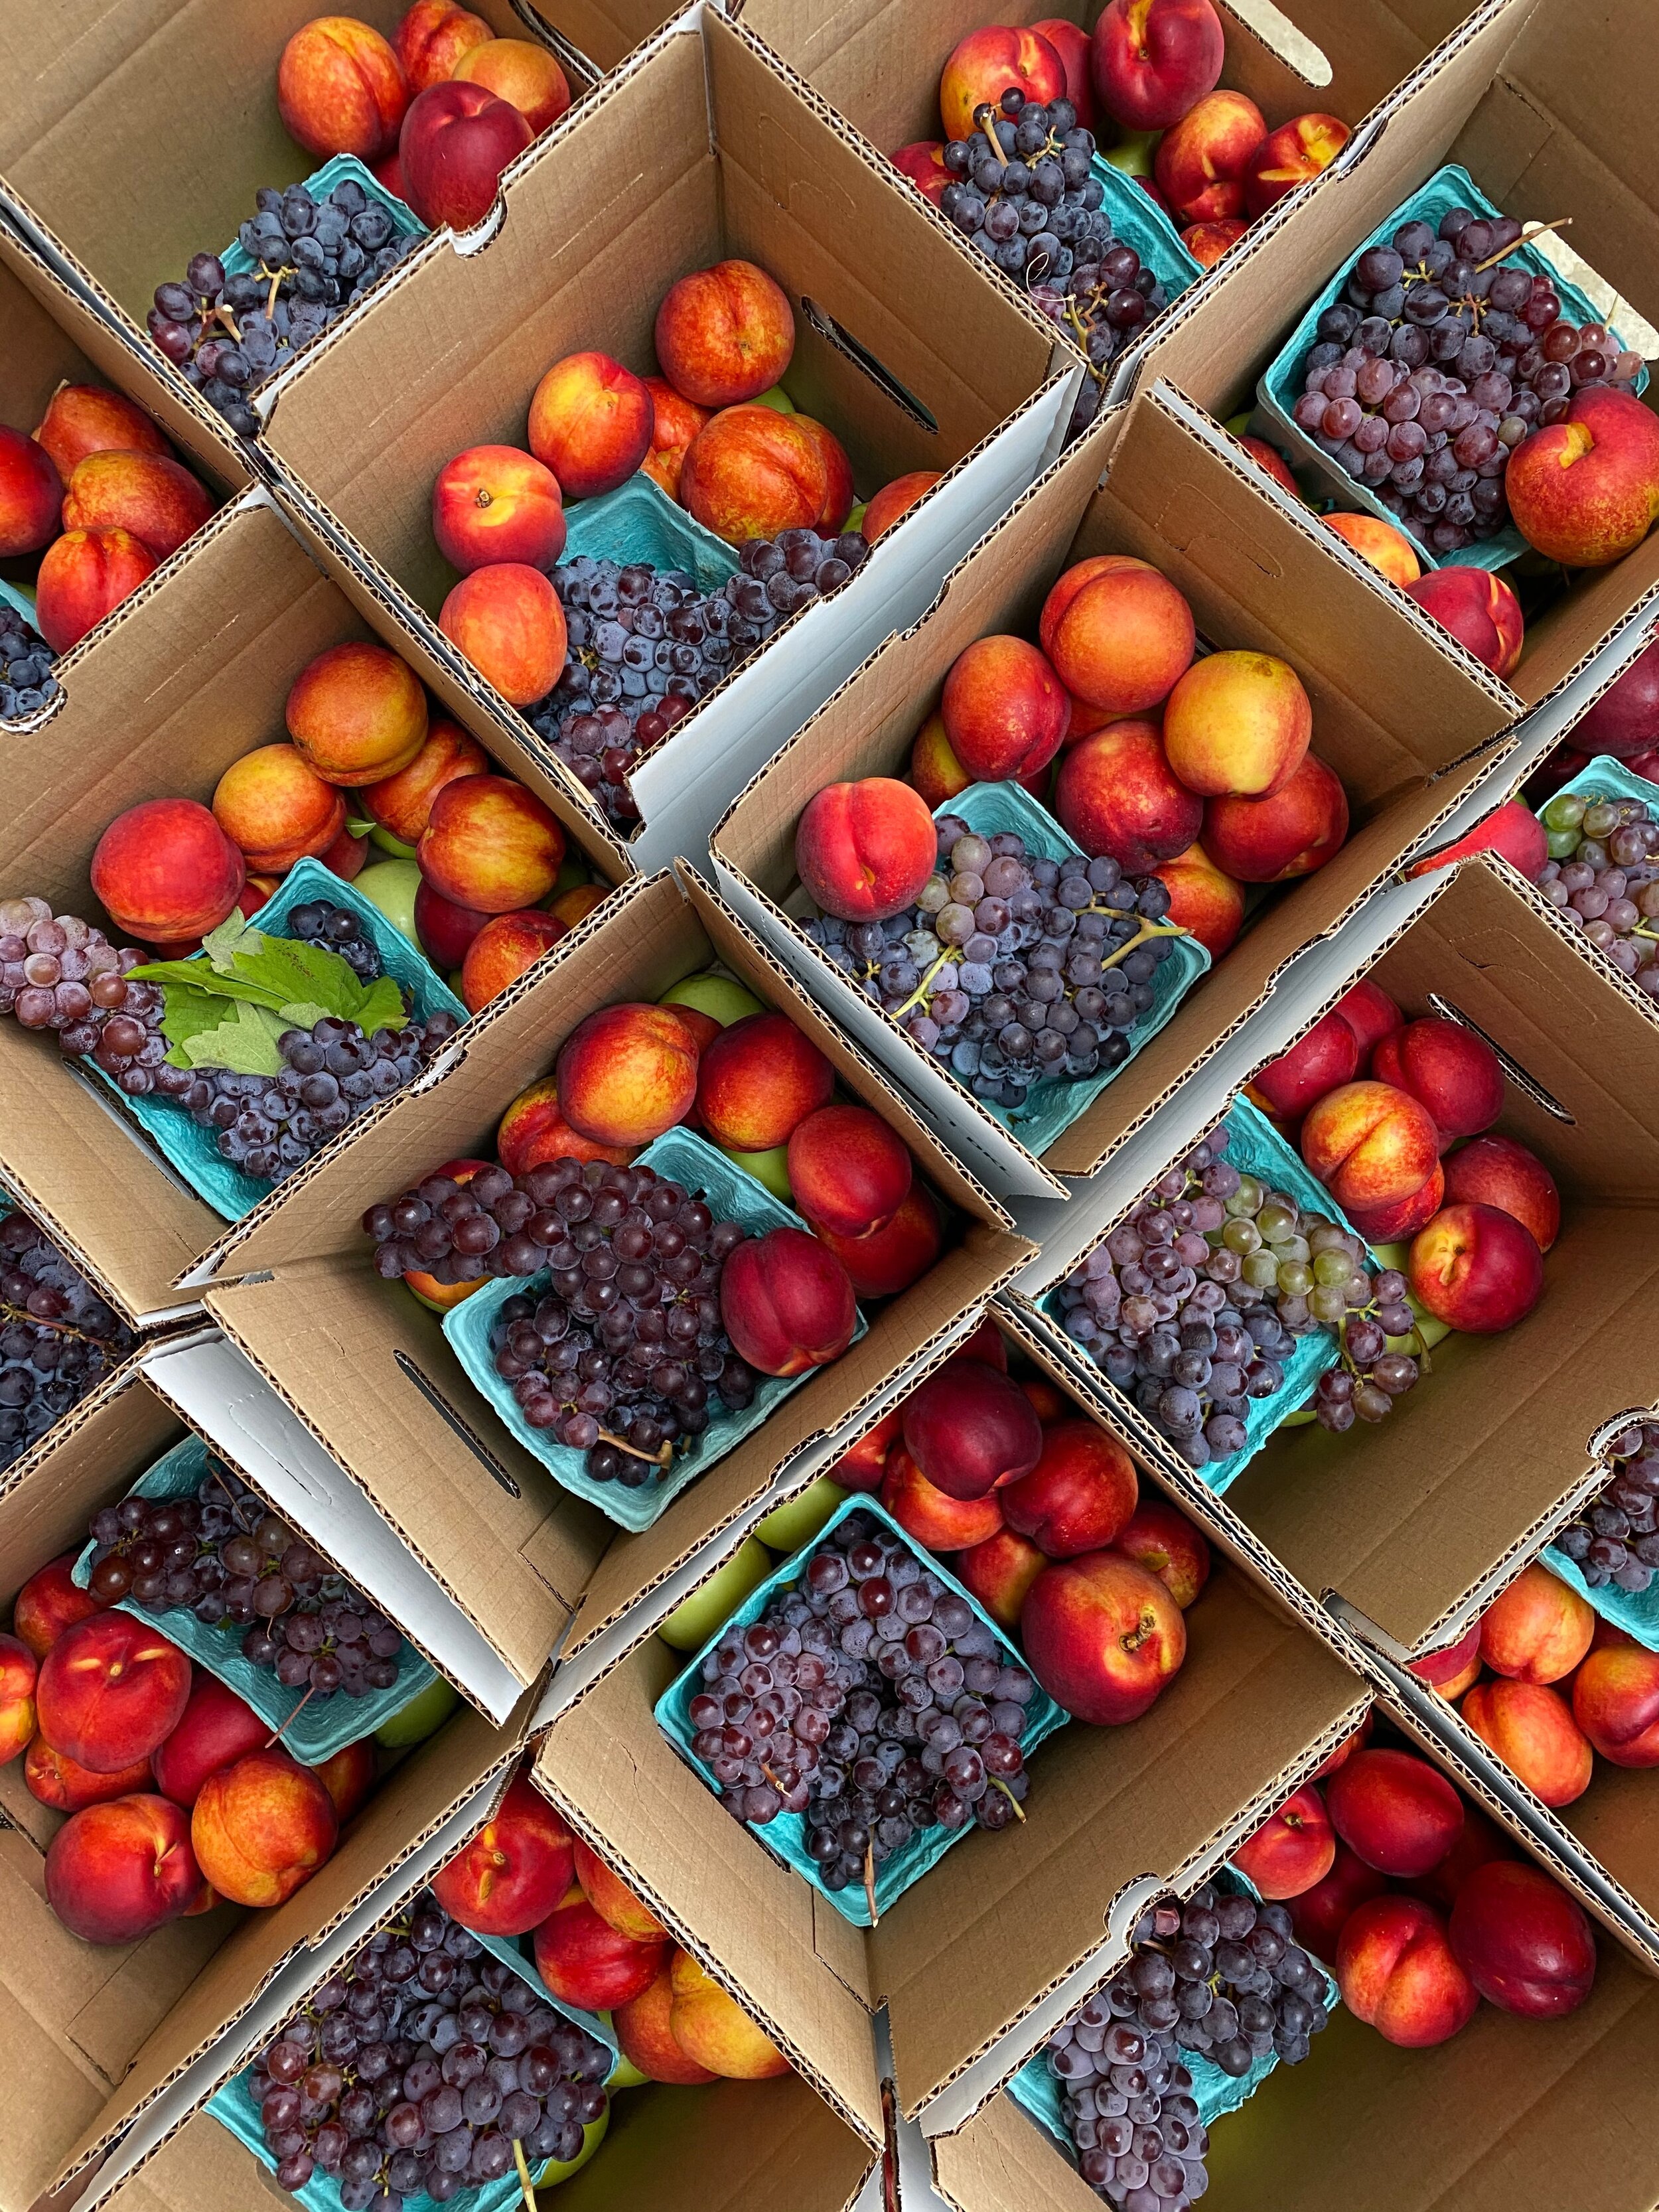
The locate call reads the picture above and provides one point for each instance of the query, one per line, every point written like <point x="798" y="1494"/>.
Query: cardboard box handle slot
<point x="440" y="1404"/>
<point x="833" y="333"/>
<point x="1512" y="1067"/>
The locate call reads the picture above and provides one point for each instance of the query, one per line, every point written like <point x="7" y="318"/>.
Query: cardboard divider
<point x="708" y="152"/>
<point x="1515" y="98"/>
<point x="1170" y="495"/>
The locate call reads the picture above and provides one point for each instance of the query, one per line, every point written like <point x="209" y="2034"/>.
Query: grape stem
<point x="57" y="1328"/>
<point x="997" y="1783"/>
<point x="1144" y="931"/>
<point x="661" y="1457"/>
<point x="991" y="139"/>
<point x="293" y="1716"/>
<point x="1527" y="238"/>
<point x="222" y="314"/>
<point x="523" y="2176"/>
<point x="870" y="1879"/>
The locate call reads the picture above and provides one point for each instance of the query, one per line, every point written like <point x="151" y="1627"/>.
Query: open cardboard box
<point x="1405" y="717"/>
<point x="899" y="349"/>
<point x="357" y="1375"/>
<point x="89" y="2036"/>
<point x="1113" y="1815"/>
<point x="186" y="677"/>
<point x="1545" y="128"/>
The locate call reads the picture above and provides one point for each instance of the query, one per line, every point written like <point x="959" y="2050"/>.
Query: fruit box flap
<point x="1002" y="2161"/>
<point x="756" y="1927"/>
<point x="1471" y="1471"/>
<point x="1613" y="1822"/>
<point x="415" y="1801"/>
<point x="201" y="2169"/>
<point x="730" y="2147"/>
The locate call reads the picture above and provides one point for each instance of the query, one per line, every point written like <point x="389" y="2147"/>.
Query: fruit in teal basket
<point x="1292" y="832"/>
<point x="696" y="1617"/>
<point x="970" y="1427"/>
<point x="1103" y="1637"/>
<point x="1238" y="725"/>
<point x="850" y="1173"/>
<point x="31" y="495"/>
<point x="758" y="1081"/>
<point x="340" y="90"/>
<point x="1615" y="1701"/>
<point x="117" y="1872"/>
<point x="714" y="2030"/>
<point x="1165" y="1542"/>
<point x="1004" y="709"/>
<point x="506" y="947"/>
<point x="1119" y="633"/>
<point x="721" y="997"/>
<point x="1154" y="59"/>
<point x="932" y="1516"/>
<point x="1393" y="1809"/>
<point x="1204" y="900"/>
<point x="1117" y="794"/>
<point x="522" y="73"/>
<point x="786" y="1303"/>
<point x="725" y="335"/>
<point x="1289" y="156"/>
<point x="1530" y="1728"/>
<point x="507" y="620"/>
<point x="274" y="806"/>
<point x="1478" y="608"/>
<point x="646" y="2036"/>
<point x="455" y="141"/>
<point x="1524" y="1943"/>
<point x="434" y="38"/>
<point x="887" y="1261"/>
<point x="423" y="1716"/>
<point x="49" y="1602"/>
<point x="1079" y="1497"/>
<point x="215" y="1730"/>
<point x="864" y="850"/>
<point x="1476" y="1269"/>
<point x="1371" y="1144"/>
<point x="1294" y="1848"/>
<point x="392" y="886"/>
<point x="586" y="1962"/>
<point x="1397" y="1973"/>
<point x="83" y="576"/>
<point x="1495" y="1170"/>
<point x="357" y="712"/>
<point x="110" y="1691"/>
<point x="1201" y="159"/>
<point x="1584" y="490"/>
<point x="512" y="1872"/>
<point x="166" y="872"/>
<point x="770" y="1169"/>
<point x="261" y="1827"/>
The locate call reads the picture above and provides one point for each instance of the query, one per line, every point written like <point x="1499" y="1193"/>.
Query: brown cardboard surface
<point x="1001" y="2161"/>
<point x="201" y="2169"/>
<point x="728" y="2148"/>
<point x="1615" y="1822"/>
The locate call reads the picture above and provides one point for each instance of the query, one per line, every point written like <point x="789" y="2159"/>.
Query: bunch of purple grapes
<point x="1435" y="365"/>
<point x="869" y="1699"/>
<point x="58" y="1337"/>
<point x="415" y="2067"/>
<point x="1615" y="1538"/>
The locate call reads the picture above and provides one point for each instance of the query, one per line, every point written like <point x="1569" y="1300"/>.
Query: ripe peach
<point x="887" y="1261"/>
<point x="923" y="162"/>
<point x="1349" y="1745"/>
<point x="1495" y="1170"/>
<point x="151" y="495"/>
<point x="1531" y="1728"/>
<point x="18" y="1670"/>
<point x="1201" y="159"/>
<point x="1395" y="1811"/>
<point x="349" y="1777"/>
<point x="503" y="950"/>
<point x="1203" y="899"/>
<point x="1370" y="1145"/>
<point x="849" y="1170"/>
<point x="646" y="2038"/>
<point x="1523" y="1943"/>
<point x="988" y="63"/>
<point x="389" y="171"/>
<point x="1165" y="1543"/>
<point x="507" y="620"/>
<point x="1512" y="831"/>
<point x="1004" y="709"/>
<point x="863" y="850"/>
<point x="586" y="1962"/>
<point x="402" y="804"/>
<point x="445" y="928"/>
<point x="1293" y="1849"/>
<point x="1388" y="550"/>
<point x="837" y="503"/>
<point x="970" y="1427"/>
<point x="1478" y="608"/>
<point x="85" y="418"/>
<point x="489" y="843"/>
<point x="1292" y="832"/>
<point x="753" y="472"/>
<point x="262" y="1827"/>
<point x="51" y="1777"/>
<point x="455" y="140"/>
<point x="1615" y="1700"/>
<point x="786" y="1302"/>
<point x="83" y="576"/>
<point x="533" y="1131"/>
<point x="1155" y="59"/>
<point x="357" y="712"/>
<point x="579" y="902"/>
<point x="1538" y="1629"/>
<point x="49" y="1602"/>
<point x="1079" y="1497"/>
<point x="1237" y="724"/>
<point x="1585" y="490"/>
<point x="1206" y="242"/>
<point x="1397" y="1973"/>
<point x="758" y="1082"/>
<point x="1071" y="42"/>
<point x="1321" y="1059"/>
<point x="894" y="500"/>
<point x="726" y="334"/>
<point x="165" y="872"/>
<point x="521" y="73"/>
<point x="1319" y="1915"/>
<point x="434" y="38"/>
<point x="1119" y="634"/>
<point x="1481" y="1841"/>
<point x="713" y="2029"/>
<point x="1267" y="457"/>
<point x="514" y="1871"/>
<point x="1289" y="156"/>
<point x="1117" y="794"/>
<point x="1103" y="1637"/>
<point x="932" y="1516"/>
<point x="1622" y="722"/>
<point x="1476" y="1269"/>
<point x="340" y="90"/>
<point x="998" y="1572"/>
<point x="1455" y="1663"/>
<point x="1371" y="1014"/>
<point x="675" y="422"/>
<point x="117" y="1872"/>
<point x="214" y="1730"/>
<point x="31" y="495"/>
<point x="110" y="1690"/>
<point x="274" y="806"/>
<point x="627" y="1074"/>
<point x="1392" y="1224"/>
<point x="591" y="422"/>
<point x="862" y="1466"/>
<point x="612" y="1900"/>
<point x="493" y="503"/>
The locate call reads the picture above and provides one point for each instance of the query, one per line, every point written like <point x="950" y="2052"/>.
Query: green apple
<point x="1133" y="154"/>
<point x="626" y="2075"/>
<point x="797" y="1520"/>
<point x="423" y="1716"/>
<point x="777" y="398"/>
<point x="455" y="983"/>
<point x="1429" y="1330"/>
<point x="573" y="870"/>
<point x="1239" y="424"/>
<point x="855" y="520"/>
<point x="691" y="1624"/>
<point x="558" y="2170"/>
<point x="771" y="1168"/>
<point x="722" y="998"/>
<point x="388" y="843"/>
<point x="391" y="885"/>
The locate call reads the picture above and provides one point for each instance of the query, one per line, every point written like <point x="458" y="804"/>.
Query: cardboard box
<point x="184" y="678"/>
<point x="708" y="152"/>
<point x="1546" y="128"/>
<point x="364" y="1380"/>
<point x="1115" y="1815"/>
<point x="1154" y="481"/>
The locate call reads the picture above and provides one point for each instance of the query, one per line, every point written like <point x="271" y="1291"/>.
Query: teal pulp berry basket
<point x="1281" y="387"/>
<point x="326" y="1725"/>
<point x="1255" y="1147"/>
<point x="787" y="1835"/>
<point x="639" y="522"/>
<point x="733" y="1194"/>
<point x="1139" y="221"/>
<point x="1607" y="778"/>
<point x="194" y="1150"/>
<point x="341" y="170"/>
<point x="1637" y="1612"/>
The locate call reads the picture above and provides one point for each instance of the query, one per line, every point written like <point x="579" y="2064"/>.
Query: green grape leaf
<point x="200" y="976"/>
<point x="381" y="1007"/>
<point x="296" y="973"/>
<point x="244" y="1042"/>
